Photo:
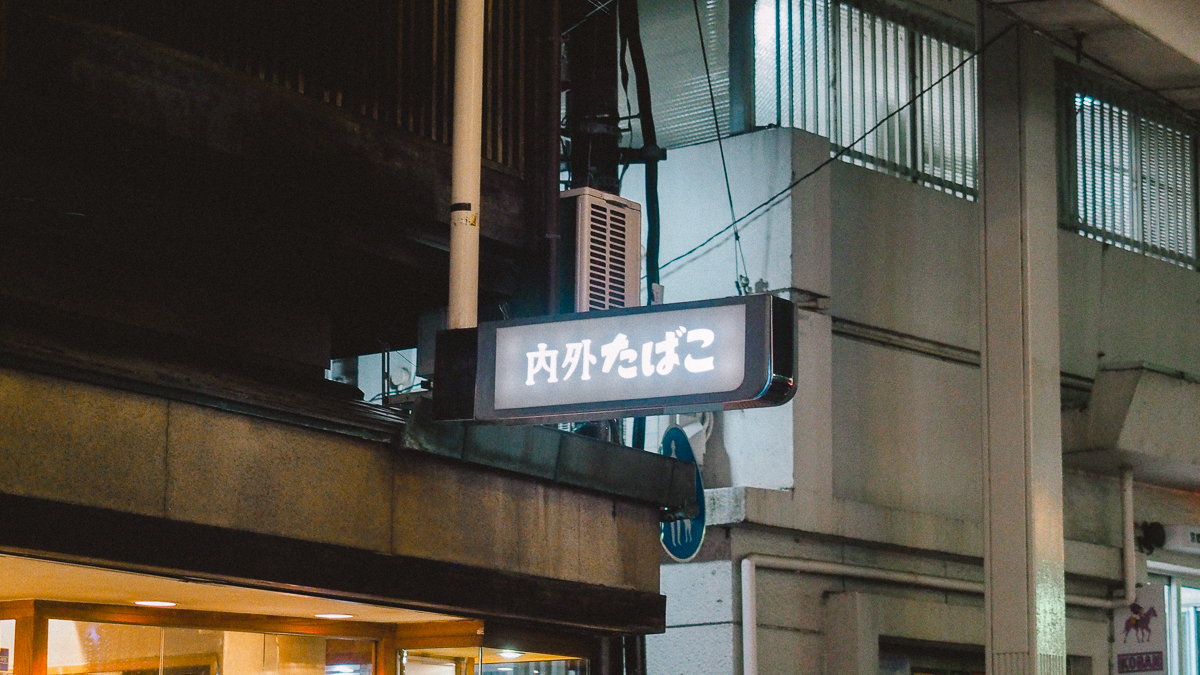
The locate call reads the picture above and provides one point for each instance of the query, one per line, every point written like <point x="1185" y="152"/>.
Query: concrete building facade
<point x="976" y="372"/>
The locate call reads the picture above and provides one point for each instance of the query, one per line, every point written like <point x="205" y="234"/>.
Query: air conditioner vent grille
<point x="608" y="245"/>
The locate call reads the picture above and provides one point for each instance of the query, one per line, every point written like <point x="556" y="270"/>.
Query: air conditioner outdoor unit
<point x="608" y="237"/>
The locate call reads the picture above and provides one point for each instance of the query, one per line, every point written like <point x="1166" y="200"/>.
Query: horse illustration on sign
<point x="1139" y="622"/>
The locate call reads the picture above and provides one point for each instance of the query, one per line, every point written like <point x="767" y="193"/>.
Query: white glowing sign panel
<point x="707" y="355"/>
<point x="634" y="356"/>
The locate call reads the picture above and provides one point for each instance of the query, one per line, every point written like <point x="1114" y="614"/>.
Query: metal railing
<point x="1126" y="169"/>
<point x="835" y="69"/>
<point x="388" y="60"/>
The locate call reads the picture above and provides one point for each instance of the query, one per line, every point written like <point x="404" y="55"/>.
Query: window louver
<point x="608" y="239"/>
<point x="1126" y="170"/>
<point x="606" y="258"/>
<point x="835" y="70"/>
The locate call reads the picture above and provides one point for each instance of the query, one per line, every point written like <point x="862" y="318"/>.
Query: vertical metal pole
<point x="465" y="162"/>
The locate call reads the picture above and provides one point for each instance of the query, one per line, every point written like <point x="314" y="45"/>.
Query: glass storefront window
<point x="349" y="657"/>
<point x="84" y="648"/>
<point x="487" y="661"/>
<point x="8" y="634"/>
<point x="191" y="651"/>
<point x="1189" y="636"/>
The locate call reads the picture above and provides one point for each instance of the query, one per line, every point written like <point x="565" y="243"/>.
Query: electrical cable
<point x="741" y="281"/>
<point x="773" y="200"/>
<point x="589" y="15"/>
<point x="712" y="99"/>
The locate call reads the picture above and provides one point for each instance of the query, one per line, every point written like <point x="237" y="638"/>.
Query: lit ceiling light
<point x="154" y="603"/>
<point x="510" y="654"/>
<point x="334" y="616"/>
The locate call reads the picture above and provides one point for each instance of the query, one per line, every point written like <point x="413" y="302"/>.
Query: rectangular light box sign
<point x="686" y="357"/>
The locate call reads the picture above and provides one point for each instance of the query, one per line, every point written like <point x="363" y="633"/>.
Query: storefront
<point x="159" y="626"/>
<point x="439" y="546"/>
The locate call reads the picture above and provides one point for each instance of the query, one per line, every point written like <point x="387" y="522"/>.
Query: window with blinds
<point x="1126" y="170"/>
<point x="836" y="70"/>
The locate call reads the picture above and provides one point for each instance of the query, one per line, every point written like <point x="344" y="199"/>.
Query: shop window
<point x="1189" y="630"/>
<point x="80" y="648"/>
<point x="87" y="648"/>
<point x="487" y="661"/>
<point x="349" y="657"/>
<point x="8" y="630"/>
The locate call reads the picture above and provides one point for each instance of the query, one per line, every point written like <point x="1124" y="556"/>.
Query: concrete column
<point x="812" y="409"/>
<point x="851" y="635"/>
<point x="1023" y="550"/>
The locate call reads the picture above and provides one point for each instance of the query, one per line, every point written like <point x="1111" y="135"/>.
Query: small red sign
<point x="1141" y="662"/>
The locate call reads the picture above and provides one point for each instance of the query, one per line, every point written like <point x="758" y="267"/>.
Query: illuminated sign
<point x="708" y="355"/>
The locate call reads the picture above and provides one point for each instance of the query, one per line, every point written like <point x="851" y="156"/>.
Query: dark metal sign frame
<point x="465" y="371"/>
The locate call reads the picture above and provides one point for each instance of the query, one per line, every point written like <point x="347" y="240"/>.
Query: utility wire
<point x="712" y="99"/>
<point x="773" y="201"/>
<point x="740" y="273"/>
<point x="588" y="16"/>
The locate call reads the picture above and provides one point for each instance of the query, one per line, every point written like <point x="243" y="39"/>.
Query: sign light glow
<point x="635" y="356"/>
<point x="707" y="355"/>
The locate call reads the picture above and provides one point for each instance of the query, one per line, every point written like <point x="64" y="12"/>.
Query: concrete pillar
<point x="1023" y="547"/>
<point x="851" y="635"/>
<point x="812" y="408"/>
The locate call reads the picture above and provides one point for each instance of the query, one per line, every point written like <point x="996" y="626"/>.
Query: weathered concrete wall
<point x="905" y="257"/>
<point x="873" y="425"/>
<point x="94" y="446"/>
<point x="1092" y="507"/>
<point x="820" y="624"/>
<point x="1120" y="306"/>
<point x="751" y="447"/>
<point x="906" y="431"/>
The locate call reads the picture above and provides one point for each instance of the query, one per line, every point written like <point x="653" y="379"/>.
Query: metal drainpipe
<point x="1129" y="543"/>
<point x="752" y="562"/>
<point x="465" y="162"/>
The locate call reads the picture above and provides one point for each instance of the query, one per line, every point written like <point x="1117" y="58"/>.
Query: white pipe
<point x="465" y="160"/>
<point x="1129" y="544"/>
<point x="750" y="602"/>
<point x="749" y="616"/>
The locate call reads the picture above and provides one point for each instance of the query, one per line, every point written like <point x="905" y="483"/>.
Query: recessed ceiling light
<point x="154" y="603"/>
<point x="510" y="654"/>
<point x="334" y="616"/>
<point x="505" y="670"/>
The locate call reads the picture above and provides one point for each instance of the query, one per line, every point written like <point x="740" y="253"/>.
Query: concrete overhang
<point x="1155" y="43"/>
<point x="1142" y="417"/>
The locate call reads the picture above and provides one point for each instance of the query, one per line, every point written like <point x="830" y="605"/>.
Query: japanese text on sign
<point x="546" y="360"/>
<point x="623" y="357"/>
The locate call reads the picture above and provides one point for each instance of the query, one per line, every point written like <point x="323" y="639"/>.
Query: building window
<point x="1126" y="169"/>
<point x="836" y="70"/>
